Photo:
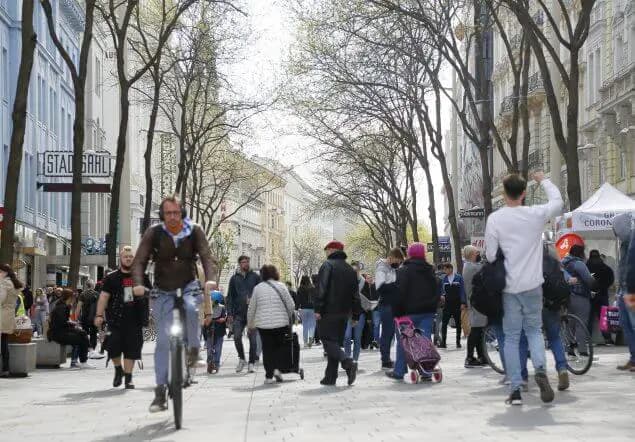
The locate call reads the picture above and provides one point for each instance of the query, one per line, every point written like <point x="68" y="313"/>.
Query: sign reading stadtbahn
<point x="59" y="164"/>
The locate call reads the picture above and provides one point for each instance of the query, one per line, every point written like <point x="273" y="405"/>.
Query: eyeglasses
<point x="173" y="213"/>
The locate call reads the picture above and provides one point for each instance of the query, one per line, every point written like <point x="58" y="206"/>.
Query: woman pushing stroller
<point x="416" y="300"/>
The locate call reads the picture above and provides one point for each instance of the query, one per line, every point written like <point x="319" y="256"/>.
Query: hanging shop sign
<point x="477" y="212"/>
<point x="59" y="164"/>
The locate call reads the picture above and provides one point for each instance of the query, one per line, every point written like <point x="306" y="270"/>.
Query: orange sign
<point x="564" y="244"/>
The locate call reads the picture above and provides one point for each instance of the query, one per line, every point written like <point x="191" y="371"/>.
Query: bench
<point x="49" y="353"/>
<point x="22" y="358"/>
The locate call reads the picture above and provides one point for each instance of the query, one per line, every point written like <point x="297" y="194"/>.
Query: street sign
<point x="59" y="164"/>
<point x="68" y="187"/>
<point x="445" y="245"/>
<point x="477" y="212"/>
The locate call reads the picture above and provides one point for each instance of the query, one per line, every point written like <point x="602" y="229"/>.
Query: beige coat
<point x="8" y="299"/>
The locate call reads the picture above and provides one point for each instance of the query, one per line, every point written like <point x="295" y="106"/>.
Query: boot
<point x="129" y="384"/>
<point x="351" y="370"/>
<point x="159" y="403"/>
<point x="192" y="357"/>
<point x="116" y="382"/>
<point x="563" y="380"/>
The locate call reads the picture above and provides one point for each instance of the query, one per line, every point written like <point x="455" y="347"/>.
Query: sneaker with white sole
<point x="251" y="368"/>
<point x="241" y="366"/>
<point x="277" y="375"/>
<point x="269" y="381"/>
<point x="86" y="366"/>
<point x="74" y="366"/>
<point x="95" y="355"/>
<point x="515" y="398"/>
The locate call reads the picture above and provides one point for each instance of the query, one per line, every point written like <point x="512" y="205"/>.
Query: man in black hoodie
<point x="337" y="299"/>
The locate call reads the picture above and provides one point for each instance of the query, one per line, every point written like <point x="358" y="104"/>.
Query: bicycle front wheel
<point x="578" y="344"/>
<point x="491" y="350"/>
<point x="176" y="380"/>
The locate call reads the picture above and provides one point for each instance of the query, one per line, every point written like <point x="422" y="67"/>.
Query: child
<point x="216" y="333"/>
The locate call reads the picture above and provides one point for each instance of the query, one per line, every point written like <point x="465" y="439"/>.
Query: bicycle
<point x="579" y="355"/>
<point x="150" y="332"/>
<point x="179" y="376"/>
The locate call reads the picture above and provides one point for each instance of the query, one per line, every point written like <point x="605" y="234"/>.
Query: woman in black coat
<point x="65" y="332"/>
<point x="605" y="278"/>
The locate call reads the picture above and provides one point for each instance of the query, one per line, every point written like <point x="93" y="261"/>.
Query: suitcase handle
<point x="403" y="320"/>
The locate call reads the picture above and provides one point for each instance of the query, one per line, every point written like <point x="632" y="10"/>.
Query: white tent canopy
<point x="596" y="214"/>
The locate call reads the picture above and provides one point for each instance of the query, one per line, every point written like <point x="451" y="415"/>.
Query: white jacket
<point x="384" y="273"/>
<point x="266" y="309"/>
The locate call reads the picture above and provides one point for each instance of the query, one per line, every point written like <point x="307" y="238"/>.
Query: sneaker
<point x="387" y="365"/>
<point x="525" y="386"/>
<point x="269" y="381"/>
<point x="563" y="380"/>
<point x="546" y="392"/>
<point x="392" y="375"/>
<point x="4" y="374"/>
<point x="515" y="398"/>
<point x="192" y="357"/>
<point x="251" y="368"/>
<point x="116" y="382"/>
<point x="241" y="366"/>
<point x="159" y="403"/>
<point x="504" y="381"/>
<point x="626" y="367"/>
<point x="442" y="345"/>
<point x="129" y="386"/>
<point x="351" y="372"/>
<point x="459" y="345"/>
<point x="86" y="366"/>
<point x="277" y="375"/>
<point x="327" y="382"/>
<point x="472" y="363"/>
<point x="95" y="355"/>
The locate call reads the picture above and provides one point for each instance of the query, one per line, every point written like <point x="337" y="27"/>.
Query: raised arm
<point x="554" y="203"/>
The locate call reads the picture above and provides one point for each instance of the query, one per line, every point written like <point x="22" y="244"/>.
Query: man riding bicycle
<point x="174" y="246"/>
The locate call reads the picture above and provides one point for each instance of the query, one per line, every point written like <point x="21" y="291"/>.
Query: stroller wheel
<point x="301" y="373"/>
<point x="437" y="376"/>
<point x="414" y="376"/>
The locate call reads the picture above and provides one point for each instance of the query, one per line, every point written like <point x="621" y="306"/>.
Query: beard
<point x="125" y="268"/>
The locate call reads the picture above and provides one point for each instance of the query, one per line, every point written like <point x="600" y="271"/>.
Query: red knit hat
<point x="336" y="245"/>
<point x="417" y="250"/>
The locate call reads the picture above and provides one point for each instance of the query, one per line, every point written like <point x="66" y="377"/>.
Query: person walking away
<point x="624" y="230"/>
<point x="353" y="334"/>
<point x="305" y="297"/>
<point x="271" y="311"/>
<point x="337" y="300"/>
<point x="215" y="332"/>
<point x="86" y="311"/>
<point x="10" y="288"/>
<point x="293" y="293"/>
<point x="370" y="291"/>
<point x="65" y="332"/>
<point x="241" y="287"/>
<point x="478" y="321"/>
<point x="175" y="245"/>
<point x="316" y="334"/>
<point x="40" y="316"/>
<point x="582" y="284"/>
<point x="125" y="315"/>
<point x="417" y="299"/>
<point x="385" y="284"/>
<point x="454" y="302"/>
<point x="605" y="278"/>
<point x="517" y="230"/>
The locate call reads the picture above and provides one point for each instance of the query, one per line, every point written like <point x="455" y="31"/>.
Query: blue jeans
<point x="387" y="331"/>
<point x="376" y="325"/>
<point x="500" y="337"/>
<point x="162" y="313"/>
<point x="307" y="316"/>
<point x="523" y="312"/>
<point x="627" y="319"/>
<point x="424" y="322"/>
<point x="214" y="348"/>
<point x="551" y="323"/>
<point x="356" y="337"/>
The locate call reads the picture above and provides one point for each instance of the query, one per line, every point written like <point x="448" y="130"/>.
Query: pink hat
<point x="417" y="250"/>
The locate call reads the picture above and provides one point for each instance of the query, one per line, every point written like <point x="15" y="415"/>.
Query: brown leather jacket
<point x="174" y="267"/>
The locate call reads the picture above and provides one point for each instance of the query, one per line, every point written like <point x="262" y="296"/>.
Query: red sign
<point x="564" y="244"/>
<point x="1" y="217"/>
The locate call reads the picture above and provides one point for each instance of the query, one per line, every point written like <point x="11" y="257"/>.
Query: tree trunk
<point x="111" y="244"/>
<point x="571" y="159"/>
<point x="148" y="154"/>
<point x="524" y="112"/>
<point x="425" y="165"/>
<point x="76" y="199"/>
<point x="487" y="181"/>
<point x="18" y="118"/>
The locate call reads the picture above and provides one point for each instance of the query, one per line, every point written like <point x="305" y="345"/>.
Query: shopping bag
<point x="610" y="319"/>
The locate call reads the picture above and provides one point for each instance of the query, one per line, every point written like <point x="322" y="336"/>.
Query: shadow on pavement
<point x="323" y="391"/>
<point x="526" y="419"/>
<point x="94" y="394"/>
<point x="149" y="432"/>
<point x="261" y="387"/>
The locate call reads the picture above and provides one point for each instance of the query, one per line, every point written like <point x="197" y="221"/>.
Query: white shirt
<point x="451" y="278"/>
<point x="518" y="233"/>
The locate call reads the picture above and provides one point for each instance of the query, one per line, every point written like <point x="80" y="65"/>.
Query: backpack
<point x="555" y="290"/>
<point x="486" y="302"/>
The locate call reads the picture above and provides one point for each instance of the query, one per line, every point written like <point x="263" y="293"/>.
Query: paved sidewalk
<point x="65" y="405"/>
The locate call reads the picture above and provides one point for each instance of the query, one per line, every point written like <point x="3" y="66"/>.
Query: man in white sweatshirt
<point x="517" y="231"/>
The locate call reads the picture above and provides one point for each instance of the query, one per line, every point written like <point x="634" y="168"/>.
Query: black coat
<point x="305" y="297"/>
<point x="418" y="292"/>
<point x="338" y="289"/>
<point x="603" y="275"/>
<point x="59" y="323"/>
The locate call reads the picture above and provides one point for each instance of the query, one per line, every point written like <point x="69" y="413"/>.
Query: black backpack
<point x="555" y="290"/>
<point x="487" y="288"/>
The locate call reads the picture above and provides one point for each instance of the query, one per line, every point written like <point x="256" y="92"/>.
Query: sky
<point x="275" y="133"/>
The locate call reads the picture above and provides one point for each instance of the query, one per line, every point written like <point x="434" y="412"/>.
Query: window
<point x="590" y="80"/>
<point x="5" y="74"/>
<point x="623" y="165"/>
<point x="601" y="176"/>
<point x="598" y="73"/>
<point x="4" y="164"/>
<point x="52" y="110"/>
<point x="97" y="77"/>
<point x="63" y="130"/>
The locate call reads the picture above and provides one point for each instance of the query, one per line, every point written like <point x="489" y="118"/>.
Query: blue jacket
<point x="449" y="290"/>
<point x="239" y="292"/>
<point x="577" y="268"/>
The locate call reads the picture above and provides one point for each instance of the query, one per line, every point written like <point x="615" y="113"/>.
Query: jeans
<point x="238" y="328"/>
<point x="451" y="312"/>
<point x="523" y="312"/>
<point x="424" y="322"/>
<point x="333" y="330"/>
<point x="214" y="346"/>
<point x="162" y="311"/>
<point x="376" y="325"/>
<point x="387" y="332"/>
<point x="356" y="337"/>
<point x="627" y="319"/>
<point x="551" y="324"/>
<point x="307" y="316"/>
<point x="40" y="320"/>
<point x="581" y="307"/>
<point x="500" y="337"/>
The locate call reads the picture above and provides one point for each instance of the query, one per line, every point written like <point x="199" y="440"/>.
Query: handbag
<point x="23" y="331"/>
<point x="610" y="319"/>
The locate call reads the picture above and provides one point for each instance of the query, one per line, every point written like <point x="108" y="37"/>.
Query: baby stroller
<point x="421" y="356"/>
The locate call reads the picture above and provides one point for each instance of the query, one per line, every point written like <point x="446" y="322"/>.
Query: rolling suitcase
<point x="289" y="356"/>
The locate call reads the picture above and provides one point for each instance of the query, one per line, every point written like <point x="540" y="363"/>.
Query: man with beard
<point x="126" y="315"/>
<point x="337" y="299"/>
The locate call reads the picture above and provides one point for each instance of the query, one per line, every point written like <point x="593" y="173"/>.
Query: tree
<point x="221" y="245"/>
<point x="79" y="75"/>
<point x="18" y="118"/>
<point x="118" y="16"/>
<point x="307" y="254"/>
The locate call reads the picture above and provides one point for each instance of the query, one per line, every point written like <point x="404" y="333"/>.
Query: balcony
<point x="618" y="89"/>
<point x="535" y="91"/>
<point x="507" y="105"/>
<point x="535" y="160"/>
<point x="539" y="18"/>
<point x="515" y="43"/>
